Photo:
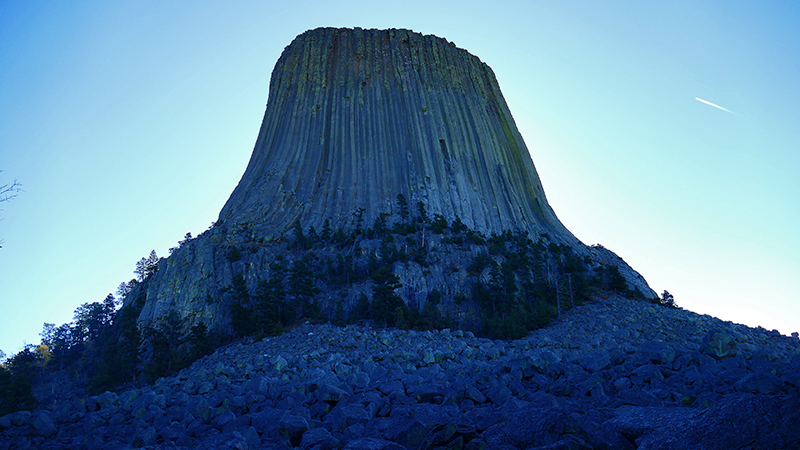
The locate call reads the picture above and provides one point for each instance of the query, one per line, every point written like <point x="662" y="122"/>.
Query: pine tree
<point x="616" y="281"/>
<point x="667" y="300"/>
<point x="300" y="240"/>
<point x="384" y="299"/>
<point x="325" y="234"/>
<point x="362" y="310"/>
<point x="164" y="342"/>
<point x="199" y="342"/>
<point x="403" y="211"/>
<point x="303" y="287"/>
<point x="359" y="216"/>
<point x="422" y="213"/>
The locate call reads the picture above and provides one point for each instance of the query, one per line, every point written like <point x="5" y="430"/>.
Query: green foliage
<point x="300" y="241"/>
<point x="266" y="312"/>
<point x="92" y="318"/>
<point x="125" y="288"/>
<point x="146" y="267"/>
<point x="164" y="340"/>
<point x="404" y="212"/>
<point x="481" y="262"/>
<point x="431" y="318"/>
<point x="233" y="254"/>
<point x="325" y="234"/>
<point x="338" y="314"/>
<point x="458" y="226"/>
<point x="302" y="286"/>
<point x="385" y="301"/>
<point x="241" y="307"/>
<point x="517" y="324"/>
<point x="529" y="283"/>
<point x="362" y="310"/>
<point x="15" y="392"/>
<point x="439" y="224"/>
<point x="312" y="236"/>
<point x="199" y="342"/>
<point x="379" y="226"/>
<point x="515" y="285"/>
<point x="504" y="327"/>
<point x="186" y="238"/>
<point x="358" y="214"/>
<point x="120" y="355"/>
<point x="129" y="341"/>
<point x="616" y="281"/>
<point x="667" y="300"/>
<point x="422" y="213"/>
<point x="339" y="237"/>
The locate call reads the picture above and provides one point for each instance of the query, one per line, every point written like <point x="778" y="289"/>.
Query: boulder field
<point x="614" y="374"/>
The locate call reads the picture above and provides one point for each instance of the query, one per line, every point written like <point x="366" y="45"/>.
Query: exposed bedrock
<point x="354" y="118"/>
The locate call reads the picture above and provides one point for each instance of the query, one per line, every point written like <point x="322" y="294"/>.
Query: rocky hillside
<point x="615" y="374"/>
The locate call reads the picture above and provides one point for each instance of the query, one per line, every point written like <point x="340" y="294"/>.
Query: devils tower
<point x="360" y="126"/>
<point x="389" y="236"/>
<point x="357" y="116"/>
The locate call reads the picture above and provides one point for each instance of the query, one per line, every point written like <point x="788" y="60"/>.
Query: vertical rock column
<point x="355" y="117"/>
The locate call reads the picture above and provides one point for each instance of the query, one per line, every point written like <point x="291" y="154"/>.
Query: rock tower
<point x="357" y="116"/>
<point x="354" y="118"/>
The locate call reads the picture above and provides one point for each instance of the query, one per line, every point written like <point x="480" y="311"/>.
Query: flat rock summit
<point x="389" y="275"/>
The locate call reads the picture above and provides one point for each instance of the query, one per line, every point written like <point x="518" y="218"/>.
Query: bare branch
<point x="9" y="191"/>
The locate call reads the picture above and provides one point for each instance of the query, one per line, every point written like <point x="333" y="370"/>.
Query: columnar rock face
<point x="356" y="117"/>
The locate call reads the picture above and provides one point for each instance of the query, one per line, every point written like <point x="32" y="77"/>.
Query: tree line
<point x="102" y="347"/>
<point x="518" y="284"/>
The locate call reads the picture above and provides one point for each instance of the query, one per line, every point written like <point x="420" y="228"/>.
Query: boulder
<point x="655" y="352"/>
<point x="43" y="424"/>
<point x="533" y="427"/>
<point x="373" y="444"/>
<point x="594" y="361"/>
<point x="718" y="344"/>
<point x="318" y="438"/>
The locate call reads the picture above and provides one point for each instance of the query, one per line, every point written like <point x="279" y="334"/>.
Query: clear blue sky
<point x="130" y="123"/>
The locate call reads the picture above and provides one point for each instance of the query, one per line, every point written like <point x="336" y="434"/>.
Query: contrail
<point x="709" y="103"/>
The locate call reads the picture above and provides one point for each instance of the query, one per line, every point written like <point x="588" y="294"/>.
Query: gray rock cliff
<point x="354" y="118"/>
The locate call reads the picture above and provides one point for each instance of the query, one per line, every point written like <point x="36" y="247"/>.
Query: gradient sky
<point x="130" y="123"/>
